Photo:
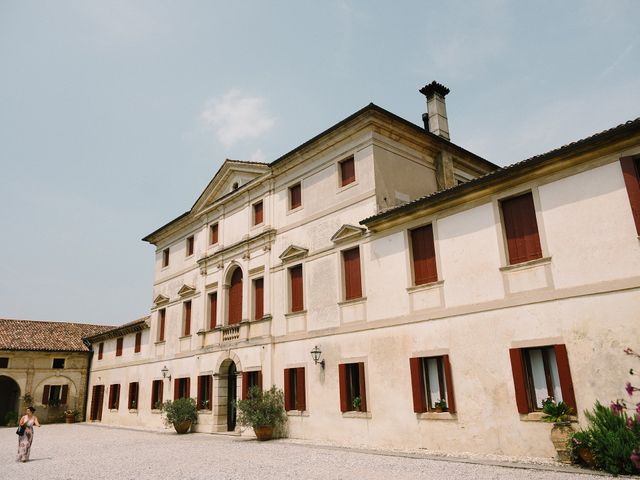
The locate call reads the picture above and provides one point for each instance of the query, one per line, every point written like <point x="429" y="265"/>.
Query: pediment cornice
<point x="293" y="252"/>
<point x="347" y="232"/>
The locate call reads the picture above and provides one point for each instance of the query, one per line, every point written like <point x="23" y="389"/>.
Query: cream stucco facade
<point x="581" y="293"/>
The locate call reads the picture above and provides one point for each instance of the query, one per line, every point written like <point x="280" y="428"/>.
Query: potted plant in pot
<point x="440" y="406"/>
<point x="180" y="413"/>
<point x="357" y="403"/>
<point x="70" y="416"/>
<point x="558" y="414"/>
<point x="263" y="411"/>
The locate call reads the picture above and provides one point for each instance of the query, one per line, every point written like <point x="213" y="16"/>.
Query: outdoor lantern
<point x="315" y="354"/>
<point x="164" y="371"/>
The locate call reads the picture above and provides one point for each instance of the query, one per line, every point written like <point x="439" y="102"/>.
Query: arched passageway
<point x="9" y="398"/>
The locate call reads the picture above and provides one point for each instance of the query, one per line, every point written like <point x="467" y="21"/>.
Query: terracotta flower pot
<point x="560" y="434"/>
<point x="264" y="433"/>
<point x="182" y="427"/>
<point x="586" y="456"/>
<point x="69" y="419"/>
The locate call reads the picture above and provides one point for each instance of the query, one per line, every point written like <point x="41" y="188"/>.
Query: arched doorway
<point x="227" y="395"/>
<point x="235" y="297"/>
<point x="9" y="397"/>
<point x="231" y="397"/>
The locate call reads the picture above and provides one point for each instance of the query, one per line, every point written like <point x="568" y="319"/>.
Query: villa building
<point x="423" y="277"/>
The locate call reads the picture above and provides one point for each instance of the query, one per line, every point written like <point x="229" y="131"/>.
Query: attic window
<point x="58" y="363"/>
<point x="235" y="186"/>
<point x="4" y="362"/>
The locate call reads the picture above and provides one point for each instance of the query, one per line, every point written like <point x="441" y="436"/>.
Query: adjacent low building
<point x="44" y="364"/>
<point x="402" y="291"/>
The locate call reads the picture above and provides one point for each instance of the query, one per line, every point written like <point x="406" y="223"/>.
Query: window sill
<point x="133" y="410"/>
<point x="437" y="416"/>
<point x="160" y="342"/>
<point x="294" y="210"/>
<point x="111" y="410"/>
<point x="354" y="414"/>
<point x="204" y="411"/>
<point x="297" y="413"/>
<point x="353" y="301"/>
<point x="295" y="314"/>
<point x="538" y="417"/>
<point x="525" y="265"/>
<point x="425" y="286"/>
<point x="156" y="411"/>
<point x="185" y="336"/>
<point x="342" y="188"/>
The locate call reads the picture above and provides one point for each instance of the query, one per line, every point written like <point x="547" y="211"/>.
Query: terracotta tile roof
<point x="48" y="336"/>
<point x="115" y="332"/>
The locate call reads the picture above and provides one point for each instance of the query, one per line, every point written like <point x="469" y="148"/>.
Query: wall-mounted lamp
<point x="164" y="372"/>
<point x="315" y="354"/>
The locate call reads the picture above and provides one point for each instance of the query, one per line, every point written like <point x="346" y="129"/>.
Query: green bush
<point x="180" y="410"/>
<point x="555" y="412"/>
<point x="261" y="409"/>
<point x="11" y="419"/>
<point x="611" y="437"/>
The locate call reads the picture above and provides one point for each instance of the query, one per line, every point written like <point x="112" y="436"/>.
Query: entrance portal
<point x="9" y="398"/>
<point x="231" y="397"/>
<point x="97" y="399"/>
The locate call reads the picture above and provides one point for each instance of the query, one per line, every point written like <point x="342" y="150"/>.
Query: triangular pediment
<point x="232" y="176"/>
<point x="186" y="290"/>
<point x="347" y="232"/>
<point x="160" y="299"/>
<point x="292" y="252"/>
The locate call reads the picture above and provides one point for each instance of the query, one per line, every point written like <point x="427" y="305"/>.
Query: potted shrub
<point x="440" y="406"/>
<point x="263" y="411"/>
<point x="580" y="447"/>
<point x="70" y="416"/>
<point x="558" y="414"/>
<point x="11" y="419"/>
<point x="357" y="403"/>
<point x="180" y="413"/>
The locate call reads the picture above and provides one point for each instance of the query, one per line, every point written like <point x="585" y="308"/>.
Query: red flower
<point x="629" y="388"/>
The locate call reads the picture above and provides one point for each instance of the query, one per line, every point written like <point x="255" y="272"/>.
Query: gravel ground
<point x="88" y="451"/>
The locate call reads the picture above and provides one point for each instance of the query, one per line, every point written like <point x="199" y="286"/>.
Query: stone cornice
<point x="263" y="240"/>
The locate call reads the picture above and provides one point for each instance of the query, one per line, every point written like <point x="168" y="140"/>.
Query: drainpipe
<point x="86" y="386"/>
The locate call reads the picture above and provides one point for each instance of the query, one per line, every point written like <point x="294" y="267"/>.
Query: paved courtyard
<point x="88" y="451"/>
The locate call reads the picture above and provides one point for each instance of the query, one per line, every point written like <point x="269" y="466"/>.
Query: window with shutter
<point x="213" y="234"/>
<point x="187" y="318"/>
<point x="296" y="286"/>
<point x="204" y="392"/>
<point x="114" y="396"/>
<point x="190" y="244"/>
<point x="294" y="389"/>
<point x="100" y="350"/>
<point x="352" y="278"/>
<point x="133" y="396"/>
<point x="213" y="310"/>
<point x="251" y="380"/>
<point x="235" y="298"/>
<point x="431" y="384"/>
<point x="631" y="175"/>
<point x="165" y="257"/>
<point x="257" y="213"/>
<point x="295" y="196"/>
<point x="423" y="255"/>
<point x="119" y="343"/>
<point x="162" y="315"/>
<point x="64" y="394"/>
<point x="353" y="395"/>
<point x="258" y="298"/>
<point x="521" y="229"/>
<point x="347" y="172"/>
<point x="138" y="344"/>
<point x="156" y="394"/>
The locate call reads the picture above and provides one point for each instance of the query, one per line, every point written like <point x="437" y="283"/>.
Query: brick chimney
<point x="435" y="120"/>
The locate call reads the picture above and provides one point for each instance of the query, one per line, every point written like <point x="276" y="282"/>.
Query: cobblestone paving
<point x="93" y="452"/>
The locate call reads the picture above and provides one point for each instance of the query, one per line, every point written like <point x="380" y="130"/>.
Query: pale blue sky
<point x="115" y="115"/>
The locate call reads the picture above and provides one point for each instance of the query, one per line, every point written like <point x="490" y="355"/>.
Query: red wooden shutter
<point x="258" y="291"/>
<point x="517" y="368"/>
<point x="214" y="234"/>
<point x="564" y="373"/>
<point x="190" y="242"/>
<point x="260" y="379"/>
<point x="419" y="403"/>
<point x="138" y="342"/>
<point x="342" y="376"/>
<point x="631" y="174"/>
<point x="300" y="390"/>
<point x="521" y="228"/>
<point x="287" y="387"/>
<point x="213" y="310"/>
<point x="424" y="255"/>
<point x="162" y="315"/>
<point x="257" y="213"/>
<point x="347" y="172"/>
<point x="235" y="297"/>
<point x="154" y="398"/>
<point x="130" y="395"/>
<point x="176" y="389"/>
<point x="64" y="394"/>
<point x="100" y="350"/>
<point x="188" y="381"/>
<point x="161" y="390"/>
<point x="295" y="196"/>
<point x="245" y="384"/>
<point x="352" y="280"/>
<point x="210" y="392"/>
<point x="187" y="318"/>
<point x="45" y="395"/>
<point x="297" y="300"/>
<point x="200" y="391"/>
<point x="449" y="381"/>
<point x="363" y="390"/>
<point x="119" y="347"/>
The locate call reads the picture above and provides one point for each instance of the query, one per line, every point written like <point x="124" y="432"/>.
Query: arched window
<point x="235" y="297"/>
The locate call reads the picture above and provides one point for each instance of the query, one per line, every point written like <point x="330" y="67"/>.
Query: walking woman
<point x="25" y="440"/>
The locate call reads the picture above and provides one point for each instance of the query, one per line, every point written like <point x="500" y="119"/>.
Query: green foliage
<point x="72" y="413"/>
<point x="357" y="401"/>
<point x="180" y="410"/>
<point x="611" y="437"/>
<point x="54" y="402"/>
<point x="555" y="412"/>
<point x="441" y="404"/>
<point x="261" y="409"/>
<point x="11" y="418"/>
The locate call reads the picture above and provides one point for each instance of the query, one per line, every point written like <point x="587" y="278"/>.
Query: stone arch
<point x="73" y="392"/>
<point x="9" y="397"/>
<point x="228" y="369"/>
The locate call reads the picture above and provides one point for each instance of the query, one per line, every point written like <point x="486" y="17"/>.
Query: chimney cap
<point x="434" y="87"/>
